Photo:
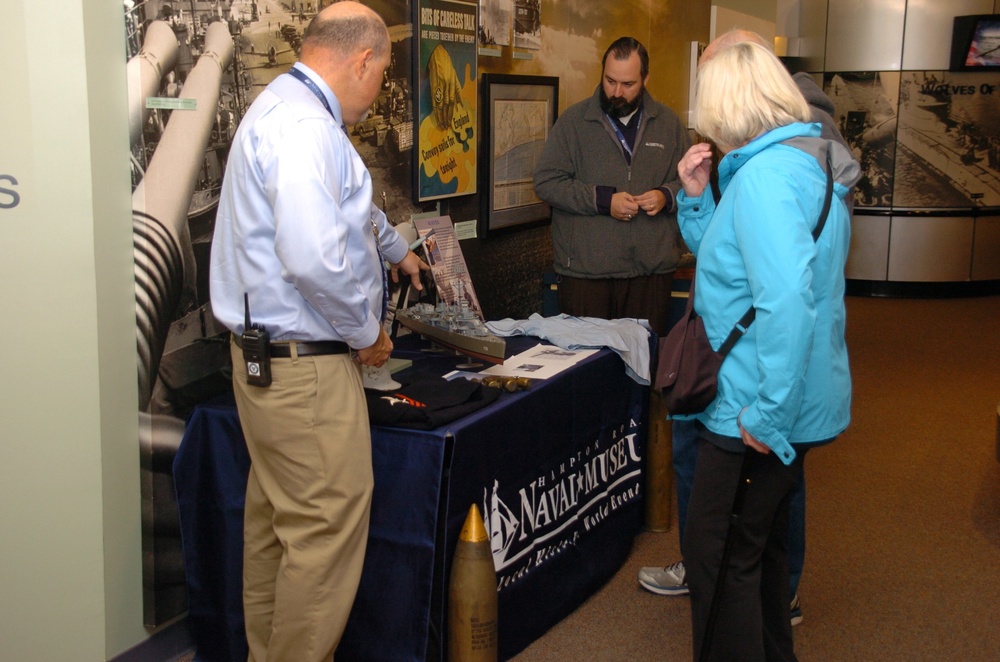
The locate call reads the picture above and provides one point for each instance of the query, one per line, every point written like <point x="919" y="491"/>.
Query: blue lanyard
<point x="385" y="276"/>
<point x="621" y="136"/>
<point x="313" y="87"/>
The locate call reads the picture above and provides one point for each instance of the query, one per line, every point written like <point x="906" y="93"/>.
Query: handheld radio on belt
<point x="255" y="341"/>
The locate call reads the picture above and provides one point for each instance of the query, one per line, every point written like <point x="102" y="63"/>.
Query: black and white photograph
<point x="495" y="22"/>
<point x="865" y="110"/>
<point x="528" y="24"/>
<point x="194" y="68"/>
<point x="949" y="140"/>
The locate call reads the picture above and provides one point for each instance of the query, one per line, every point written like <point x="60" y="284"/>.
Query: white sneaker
<point x="664" y="581"/>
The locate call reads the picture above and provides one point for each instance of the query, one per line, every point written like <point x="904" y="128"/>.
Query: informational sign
<point x="444" y="255"/>
<point x="446" y="151"/>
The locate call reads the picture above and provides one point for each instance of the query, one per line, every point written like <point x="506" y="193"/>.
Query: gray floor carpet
<point x="903" y="534"/>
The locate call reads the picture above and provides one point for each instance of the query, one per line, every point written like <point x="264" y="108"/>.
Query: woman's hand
<point x="695" y="168"/>
<point x="749" y="440"/>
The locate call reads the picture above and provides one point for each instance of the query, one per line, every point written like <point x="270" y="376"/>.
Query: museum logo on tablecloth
<point x="532" y="523"/>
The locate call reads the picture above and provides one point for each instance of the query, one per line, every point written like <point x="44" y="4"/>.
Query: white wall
<point x="70" y="561"/>
<point x="724" y="20"/>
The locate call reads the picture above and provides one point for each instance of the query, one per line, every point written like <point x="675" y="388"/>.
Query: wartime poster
<point x="445" y="159"/>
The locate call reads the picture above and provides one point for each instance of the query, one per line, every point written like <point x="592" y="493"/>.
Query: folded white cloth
<point x="628" y="337"/>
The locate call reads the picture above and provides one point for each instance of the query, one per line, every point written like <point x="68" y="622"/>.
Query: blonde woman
<point x="786" y="384"/>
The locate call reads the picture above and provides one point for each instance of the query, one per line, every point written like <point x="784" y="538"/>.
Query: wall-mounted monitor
<point x="975" y="43"/>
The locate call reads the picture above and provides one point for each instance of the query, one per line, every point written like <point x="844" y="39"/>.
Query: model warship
<point x="454" y="320"/>
<point x="454" y="327"/>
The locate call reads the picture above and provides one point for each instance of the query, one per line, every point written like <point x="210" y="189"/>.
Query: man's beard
<point x="618" y="107"/>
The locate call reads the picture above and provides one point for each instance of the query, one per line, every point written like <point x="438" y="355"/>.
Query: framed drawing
<point x="517" y="114"/>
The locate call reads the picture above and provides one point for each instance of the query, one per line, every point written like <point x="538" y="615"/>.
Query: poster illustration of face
<point x="446" y="139"/>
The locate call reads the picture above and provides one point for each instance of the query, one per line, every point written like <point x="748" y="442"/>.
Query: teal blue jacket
<point x="787" y="381"/>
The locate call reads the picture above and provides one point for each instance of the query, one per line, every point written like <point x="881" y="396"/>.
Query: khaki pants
<point x="307" y="504"/>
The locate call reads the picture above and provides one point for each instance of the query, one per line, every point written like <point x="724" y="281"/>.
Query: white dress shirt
<point x="294" y="227"/>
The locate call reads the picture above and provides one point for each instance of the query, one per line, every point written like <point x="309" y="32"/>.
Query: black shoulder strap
<point x="741" y="327"/>
<point x="828" y="200"/>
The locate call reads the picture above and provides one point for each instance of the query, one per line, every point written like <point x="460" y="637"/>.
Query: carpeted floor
<point x="903" y="558"/>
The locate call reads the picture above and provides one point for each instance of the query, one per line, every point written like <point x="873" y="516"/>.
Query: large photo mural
<point x="925" y="139"/>
<point x="949" y="140"/>
<point x="195" y="66"/>
<point x="866" y="113"/>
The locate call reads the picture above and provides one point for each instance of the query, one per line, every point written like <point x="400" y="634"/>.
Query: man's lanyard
<point x="621" y="136"/>
<point x="385" y="276"/>
<point x="313" y="87"/>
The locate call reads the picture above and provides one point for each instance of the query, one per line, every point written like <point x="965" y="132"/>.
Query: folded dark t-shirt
<point x="428" y="402"/>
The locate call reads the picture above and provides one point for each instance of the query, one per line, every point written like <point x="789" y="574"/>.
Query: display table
<point x="556" y="470"/>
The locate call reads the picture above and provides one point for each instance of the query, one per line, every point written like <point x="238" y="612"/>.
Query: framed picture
<point x="446" y="154"/>
<point x="517" y="114"/>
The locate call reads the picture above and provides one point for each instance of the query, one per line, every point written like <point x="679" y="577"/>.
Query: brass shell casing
<point x="472" y="595"/>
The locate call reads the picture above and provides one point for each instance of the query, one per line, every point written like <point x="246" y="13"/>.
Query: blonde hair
<point x="744" y="91"/>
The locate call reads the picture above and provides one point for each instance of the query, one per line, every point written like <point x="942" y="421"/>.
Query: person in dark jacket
<point x="609" y="171"/>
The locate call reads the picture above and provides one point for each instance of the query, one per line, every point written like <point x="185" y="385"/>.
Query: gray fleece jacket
<point x="583" y="152"/>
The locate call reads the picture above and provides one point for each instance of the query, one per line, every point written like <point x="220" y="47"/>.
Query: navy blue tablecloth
<point x="555" y="470"/>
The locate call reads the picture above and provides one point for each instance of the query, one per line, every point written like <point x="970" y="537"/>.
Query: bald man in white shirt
<point x="297" y="233"/>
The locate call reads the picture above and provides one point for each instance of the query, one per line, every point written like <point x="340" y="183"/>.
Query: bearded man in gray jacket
<point x="609" y="171"/>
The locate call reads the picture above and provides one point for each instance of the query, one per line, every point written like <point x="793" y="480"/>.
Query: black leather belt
<point x="283" y="350"/>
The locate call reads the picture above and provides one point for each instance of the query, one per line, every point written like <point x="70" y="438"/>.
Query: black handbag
<point x="687" y="367"/>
